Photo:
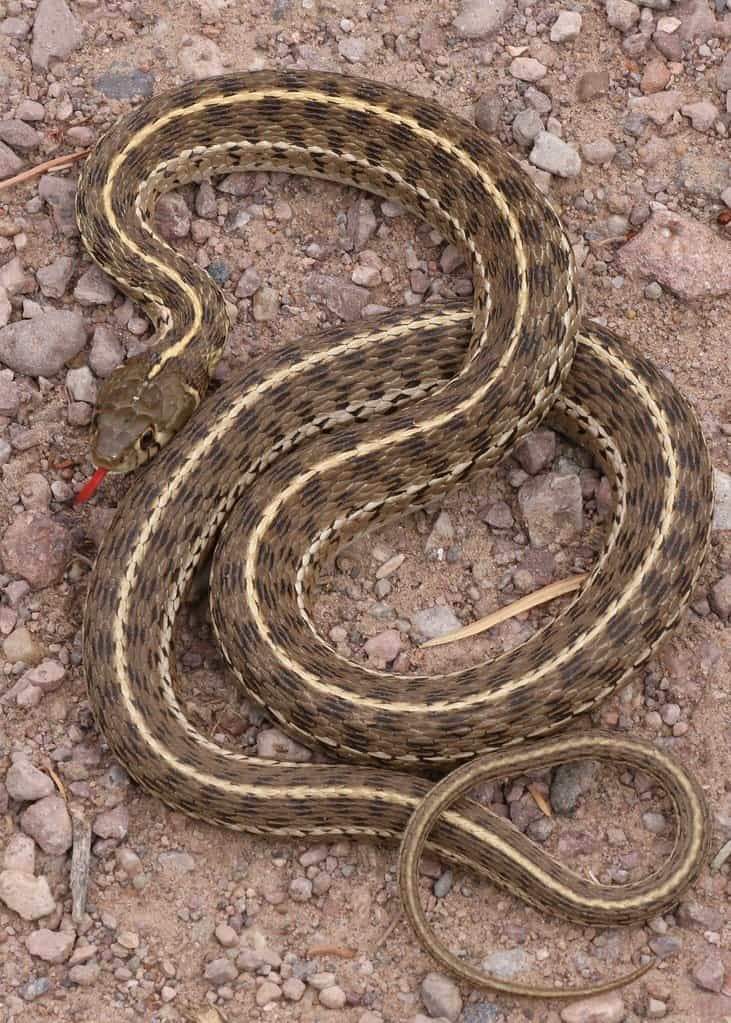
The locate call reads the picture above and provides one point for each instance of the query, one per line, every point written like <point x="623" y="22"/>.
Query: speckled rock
<point x="682" y="254"/>
<point x="478" y="19"/>
<point x="552" y="154"/>
<point x="441" y="996"/>
<point x="50" y="946"/>
<point x="56" y="33"/>
<point x="29" y="897"/>
<point x="552" y="509"/>
<point x="26" y="783"/>
<point x="49" y="823"/>
<point x="36" y="548"/>
<point x="607" y="1008"/>
<point x="41" y="346"/>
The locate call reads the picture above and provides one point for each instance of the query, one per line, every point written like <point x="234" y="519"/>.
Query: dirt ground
<point x="182" y="916"/>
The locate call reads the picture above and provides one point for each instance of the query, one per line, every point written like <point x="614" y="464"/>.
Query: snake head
<point x="137" y="413"/>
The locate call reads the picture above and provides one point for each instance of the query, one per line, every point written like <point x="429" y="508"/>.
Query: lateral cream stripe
<point x="617" y="367"/>
<point x="349" y="103"/>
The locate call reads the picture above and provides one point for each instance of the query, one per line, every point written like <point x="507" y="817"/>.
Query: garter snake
<point x="331" y="435"/>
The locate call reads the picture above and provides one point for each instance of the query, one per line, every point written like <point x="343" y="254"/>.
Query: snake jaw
<point x="137" y="415"/>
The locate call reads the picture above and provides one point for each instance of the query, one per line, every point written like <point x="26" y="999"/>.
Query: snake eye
<point x="147" y="439"/>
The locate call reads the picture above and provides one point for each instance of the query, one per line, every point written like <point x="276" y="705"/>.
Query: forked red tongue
<point x="90" y="488"/>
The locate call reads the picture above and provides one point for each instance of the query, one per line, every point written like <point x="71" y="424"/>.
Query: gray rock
<point x="10" y="162"/>
<point x="56" y="33"/>
<point x="599" y="151"/>
<point x="19" y="135"/>
<point x="84" y="974"/>
<point x="60" y="194"/>
<point x="112" y="823"/>
<point x="552" y="509"/>
<point x="526" y="126"/>
<point x="29" y="897"/>
<point x="723" y="76"/>
<point x="552" y="154"/>
<point x="384" y="647"/>
<point x="683" y="255"/>
<point x="498" y="515"/>
<point x="265" y="304"/>
<point x="35" y="492"/>
<point x="220" y="971"/>
<point x="172" y="216"/>
<point x="480" y="18"/>
<point x="106" y="352"/>
<point x="13" y="276"/>
<point x="527" y="69"/>
<point x="30" y="110"/>
<point x="361" y="224"/>
<point x="26" y="783"/>
<point x="5" y="307"/>
<point x="608" y="1008"/>
<point x="81" y="385"/>
<point x="201" y="58"/>
<point x="481" y="1012"/>
<point x="125" y="82"/>
<point x="20" y="854"/>
<point x="659" y="106"/>
<point x="719" y="597"/>
<point x="488" y="112"/>
<point x="15" y="28"/>
<point x="655" y="823"/>
<point x="568" y="784"/>
<point x="353" y="49"/>
<point x="722" y="498"/>
<point x="435" y="621"/>
<point x="10" y="393"/>
<point x="536" y="450"/>
<point x="505" y="964"/>
<point x="50" y="946"/>
<point x="709" y="973"/>
<point x="622" y="15"/>
<point x="566" y="26"/>
<point x="176" y="863"/>
<point x="441" y="996"/>
<point x="41" y="346"/>
<point x="47" y="676"/>
<point x="94" y="288"/>
<point x="249" y="283"/>
<point x="36" y="548"/>
<point x="275" y="745"/>
<point x="342" y="298"/>
<point x="55" y="278"/>
<point x="49" y="823"/>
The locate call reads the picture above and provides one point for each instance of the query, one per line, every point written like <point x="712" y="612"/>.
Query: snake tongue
<point x="90" y="488"/>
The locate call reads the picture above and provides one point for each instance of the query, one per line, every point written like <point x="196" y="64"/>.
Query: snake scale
<point x="332" y="435"/>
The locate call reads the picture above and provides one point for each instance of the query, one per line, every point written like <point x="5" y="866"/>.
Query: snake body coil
<point x="331" y="435"/>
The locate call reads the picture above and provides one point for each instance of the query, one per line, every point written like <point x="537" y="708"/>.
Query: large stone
<point x="441" y="996"/>
<point x="56" y="33"/>
<point x="681" y="254"/>
<point x="41" y="346"/>
<point x="608" y="1008"/>
<point x="36" y="548"/>
<point x="552" y="509"/>
<point x="49" y="823"/>
<point x="480" y="18"/>
<point x="10" y="162"/>
<point x="552" y="154"/>
<point x="29" y="897"/>
<point x="25" y="782"/>
<point x="50" y="946"/>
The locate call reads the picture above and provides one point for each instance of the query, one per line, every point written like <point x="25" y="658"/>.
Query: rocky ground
<point x="621" y="111"/>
